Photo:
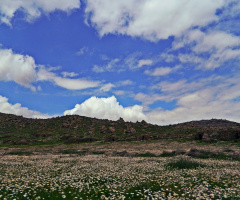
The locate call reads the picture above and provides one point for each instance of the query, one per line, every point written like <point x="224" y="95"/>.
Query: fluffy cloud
<point x="150" y="19"/>
<point x="17" y="109"/>
<point x="107" y="108"/>
<point x="18" y="68"/>
<point x="23" y="70"/>
<point x="34" y="8"/>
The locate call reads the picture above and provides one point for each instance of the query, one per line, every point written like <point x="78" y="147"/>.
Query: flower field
<point x="58" y="176"/>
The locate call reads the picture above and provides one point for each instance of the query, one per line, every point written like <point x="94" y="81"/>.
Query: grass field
<point x="119" y="171"/>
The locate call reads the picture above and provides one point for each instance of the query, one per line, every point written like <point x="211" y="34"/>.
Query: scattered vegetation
<point x="17" y="130"/>
<point x="20" y="153"/>
<point x="204" y="154"/>
<point x="184" y="164"/>
<point x="171" y="153"/>
<point x="74" y="151"/>
<point x="147" y="154"/>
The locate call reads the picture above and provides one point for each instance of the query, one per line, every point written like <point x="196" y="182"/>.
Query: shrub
<point x="20" y="153"/>
<point x="121" y="153"/>
<point x="147" y="154"/>
<point x="184" y="164"/>
<point x="74" y="151"/>
<point x="98" y="152"/>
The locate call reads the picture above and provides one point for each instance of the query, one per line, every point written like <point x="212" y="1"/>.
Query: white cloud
<point x="82" y="51"/>
<point x="18" y="68"/>
<point x="144" y="62"/>
<point x="148" y="99"/>
<point x="111" y="66"/>
<point x="207" y="41"/>
<point x="98" y="69"/>
<point x="34" y="8"/>
<point x="69" y="74"/>
<point x="167" y="57"/>
<point x="197" y="106"/>
<point x="124" y="83"/>
<point x="107" y="87"/>
<point x="179" y="86"/>
<point x="131" y="62"/>
<point x="107" y="108"/>
<point x="70" y="84"/>
<point x="217" y="46"/>
<point x="213" y="97"/>
<point x="150" y="19"/>
<point x="119" y="92"/>
<point x="190" y="58"/>
<point x="160" y="71"/>
<point x="216" y="41"/>
<point x="17" y="109"/>
<point x="23" y="70"/>
<point x="175" y="90"/>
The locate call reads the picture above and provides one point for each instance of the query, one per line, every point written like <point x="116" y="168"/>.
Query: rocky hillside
<point x="75" y="129"/>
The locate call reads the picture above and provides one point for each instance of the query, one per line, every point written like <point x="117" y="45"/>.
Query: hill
<point x="76" y="129"/>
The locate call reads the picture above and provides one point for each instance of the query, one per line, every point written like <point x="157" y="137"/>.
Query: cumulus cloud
<point x="23" y="70"/>
<point x="107" y="108"/>
<point x="34" y="8"/>
<point x="17" y="109"/>
<point x="150" y="19"/>
<point x="18" y="68"/>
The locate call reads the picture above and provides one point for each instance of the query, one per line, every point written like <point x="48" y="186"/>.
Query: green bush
<point x="184" y="164"/>
<point x="20" y="153"/>
<point x="147" y="154"/>
<point x="74" y="151"/>
<point x="168" y="154"/>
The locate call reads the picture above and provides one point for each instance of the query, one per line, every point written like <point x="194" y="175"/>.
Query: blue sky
<point x="161" y="61"/>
